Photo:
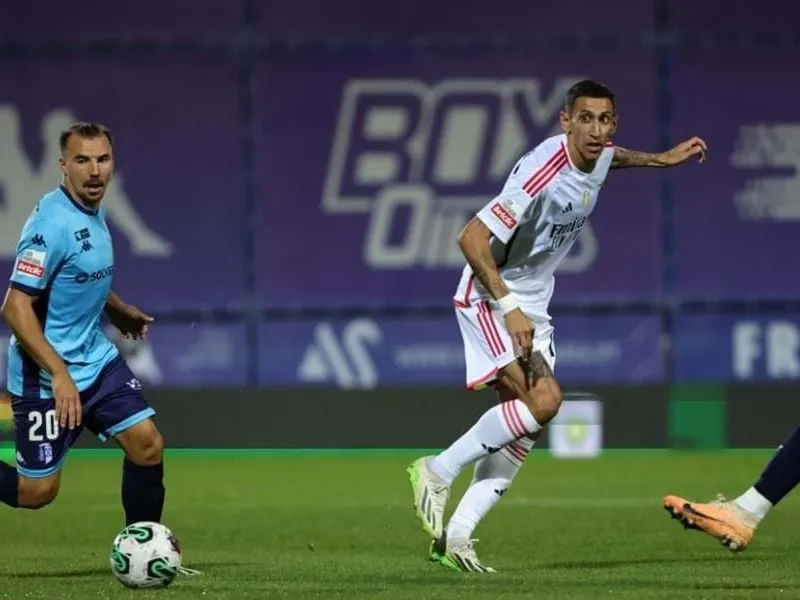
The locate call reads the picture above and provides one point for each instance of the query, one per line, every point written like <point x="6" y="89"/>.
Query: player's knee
<point x="37" y="493"/>
<point x="151" y="449"/>
<point x="544" y="400"/>
<point x="147" y="447"/>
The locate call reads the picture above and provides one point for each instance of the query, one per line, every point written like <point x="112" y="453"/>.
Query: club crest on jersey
<point x="587" y="198"/>
<point x="505" y="217"/>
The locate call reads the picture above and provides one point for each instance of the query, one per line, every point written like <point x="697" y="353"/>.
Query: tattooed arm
<point x="625" y="158"/>
<point x="474" y="243"/>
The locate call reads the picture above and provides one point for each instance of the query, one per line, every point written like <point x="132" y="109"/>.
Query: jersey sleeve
<point x="524" y="186"/>
<point x="41" y="250"/>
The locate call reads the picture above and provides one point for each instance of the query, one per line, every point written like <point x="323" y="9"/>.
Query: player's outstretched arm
<point x="626" y="158"/>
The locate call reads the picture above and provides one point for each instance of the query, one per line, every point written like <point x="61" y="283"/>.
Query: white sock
<point x="497" y="427"/>
<point x="492" y="477"/>
<point x="754" y="503"/>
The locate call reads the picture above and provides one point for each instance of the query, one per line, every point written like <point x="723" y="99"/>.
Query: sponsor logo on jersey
<point x="31" y="263"/>
<point x="503" y="215"/>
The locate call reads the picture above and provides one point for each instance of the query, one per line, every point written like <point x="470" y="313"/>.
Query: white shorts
<point x="488" y="346"/>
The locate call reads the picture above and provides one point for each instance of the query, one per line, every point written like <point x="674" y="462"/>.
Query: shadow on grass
<point x="102" y="571"/>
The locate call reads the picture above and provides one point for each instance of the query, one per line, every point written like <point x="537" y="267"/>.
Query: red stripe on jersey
<point x="465" y="303"/>
<point x="546" y="174"/>
<point x="493" y="325"/>
<point x="486" y="330"/>
<point x="544" y="167"/>
<point x="489" y="327"/>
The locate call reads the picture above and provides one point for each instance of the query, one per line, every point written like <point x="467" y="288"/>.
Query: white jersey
<point x="535" y="220"/>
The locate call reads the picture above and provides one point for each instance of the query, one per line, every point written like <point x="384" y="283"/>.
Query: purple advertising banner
<point x="175" y="204"/>
<point x="741" y="347"/>
<point x="737" y="220"/>
<point x="143" y="19"/>
<point x="714" y="16"/>
<point x="175" y="355"/>
<point x="367" y="353"/>
<point x="188" y="355"/>
<point x="370" y="166"/>
<point x="310" y="18"/>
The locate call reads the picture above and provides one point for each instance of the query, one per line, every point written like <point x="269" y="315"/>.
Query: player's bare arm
<point x="21" y="319"/>
<point x="626" y="158"/>
<point x="18" y="313"/>
<point x="130" y="321"/>
<point x="114" y="303"/>
<point x="474" y="243"/>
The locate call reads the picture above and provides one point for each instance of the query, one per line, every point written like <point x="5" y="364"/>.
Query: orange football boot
<point x="724" y="520"/>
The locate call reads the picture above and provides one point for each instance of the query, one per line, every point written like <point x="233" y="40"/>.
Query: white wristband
<point x="508" y="303"/>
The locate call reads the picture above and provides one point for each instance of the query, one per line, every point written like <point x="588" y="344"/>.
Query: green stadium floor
<point x="299" y="525"/>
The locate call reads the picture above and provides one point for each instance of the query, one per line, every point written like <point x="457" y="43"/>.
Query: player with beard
<point x="513" y="247"/>
<point x="63" y="372"/>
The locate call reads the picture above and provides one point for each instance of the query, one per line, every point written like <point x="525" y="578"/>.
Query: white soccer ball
<point x="145" y="555"/>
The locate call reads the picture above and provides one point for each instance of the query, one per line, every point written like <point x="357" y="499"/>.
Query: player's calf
<point x="19" y="491"/>
<point x="143" y="490"/>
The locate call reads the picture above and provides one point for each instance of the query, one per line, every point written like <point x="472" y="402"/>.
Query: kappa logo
<point x="24" y="177"/>
<point x="420" y="159"/>
<point x="343" y="359"/>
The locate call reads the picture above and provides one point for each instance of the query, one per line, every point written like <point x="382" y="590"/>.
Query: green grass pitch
<point x="337" y="525"/>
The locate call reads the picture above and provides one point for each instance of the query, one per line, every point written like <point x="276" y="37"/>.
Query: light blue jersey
<point x="65" y="258"/>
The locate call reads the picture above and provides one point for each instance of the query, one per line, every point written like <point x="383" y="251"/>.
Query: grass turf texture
<point x="337" y="525"/>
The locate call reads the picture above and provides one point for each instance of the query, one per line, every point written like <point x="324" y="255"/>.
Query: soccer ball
<point x="145" y="555"/>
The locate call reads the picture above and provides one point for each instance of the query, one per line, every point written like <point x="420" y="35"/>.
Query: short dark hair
<point x="588" y="88"/>
<point x="85" y="130"/>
